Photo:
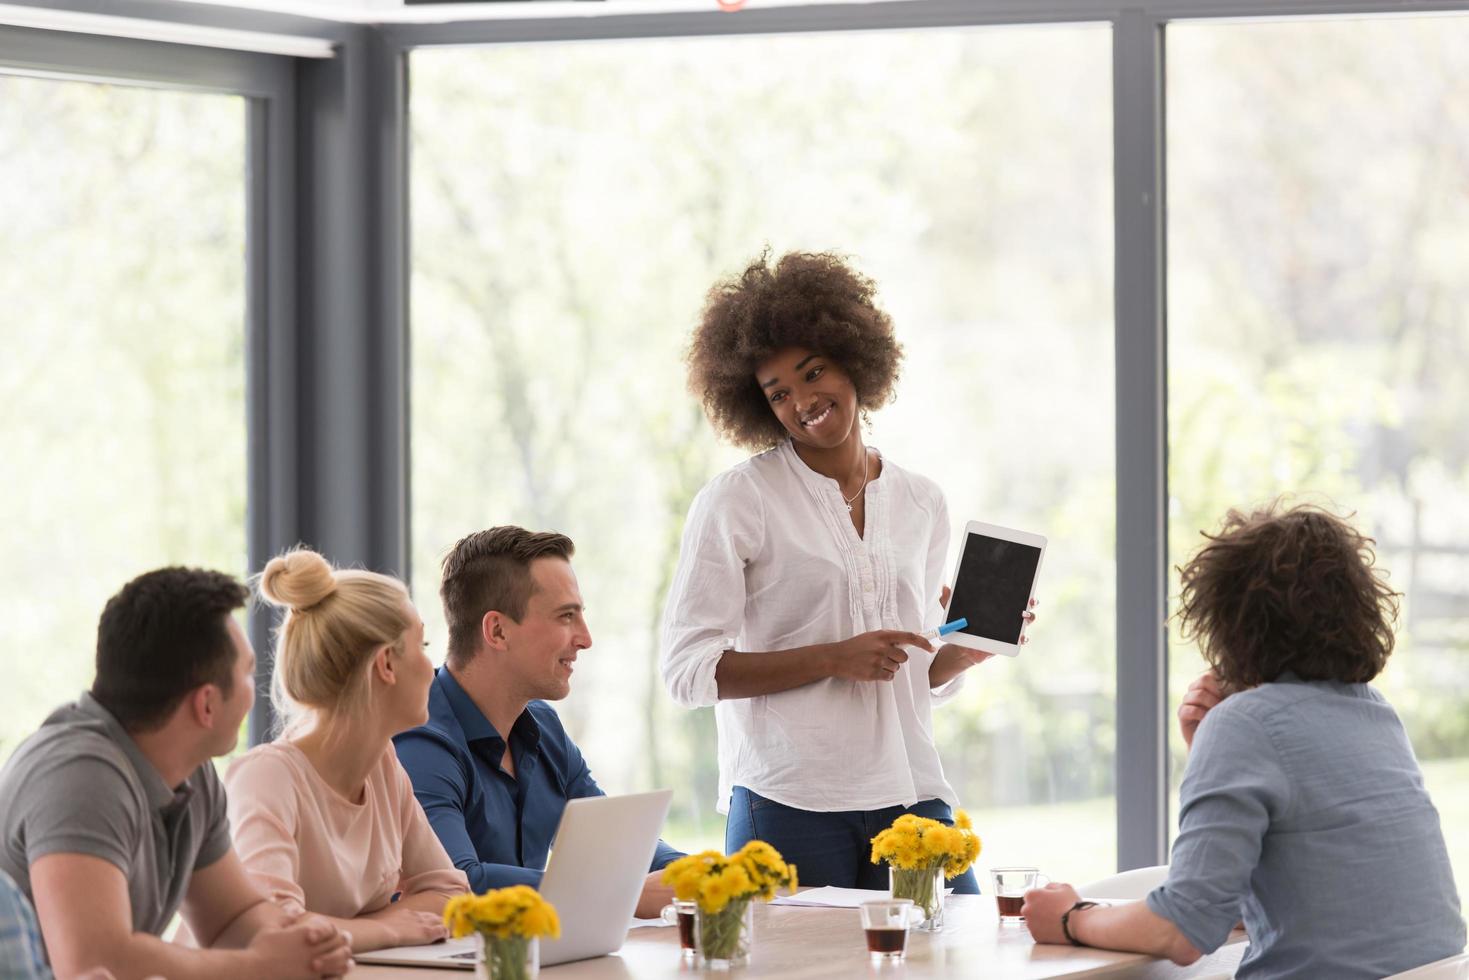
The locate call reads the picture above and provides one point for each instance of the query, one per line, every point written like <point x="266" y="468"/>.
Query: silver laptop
<point x="595" y="886"/>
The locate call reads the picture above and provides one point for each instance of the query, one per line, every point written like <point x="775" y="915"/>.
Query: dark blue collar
<point x="473" y="723"/>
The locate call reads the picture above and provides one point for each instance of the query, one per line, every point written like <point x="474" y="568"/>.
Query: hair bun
<point x="298" y="579"/>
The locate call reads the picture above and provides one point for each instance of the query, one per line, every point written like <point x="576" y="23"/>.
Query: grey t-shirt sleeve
<point x="82" y="803"/>
<point x="1233" y="789"/>
<point x="214" y="818"/>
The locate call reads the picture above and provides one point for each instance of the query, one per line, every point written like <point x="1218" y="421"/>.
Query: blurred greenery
<point x="564" y="233"/>
<point x="1319" y="319"/>
<point x="123" y="373"/>
<point x="960" y="170"/>
<point x="573" y="202"/>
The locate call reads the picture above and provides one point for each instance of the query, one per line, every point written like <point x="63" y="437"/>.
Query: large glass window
<point x="123" y="373"/>
<point x="571" y="205"/>
<point x="1319" y="321"/>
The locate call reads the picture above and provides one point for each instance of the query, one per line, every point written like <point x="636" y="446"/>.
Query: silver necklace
<point x="862" y="487"/>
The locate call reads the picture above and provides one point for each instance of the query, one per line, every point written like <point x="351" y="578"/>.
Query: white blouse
<point x="770" y="561"/>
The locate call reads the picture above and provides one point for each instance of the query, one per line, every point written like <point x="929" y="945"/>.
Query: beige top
<point x="308" y="846"/>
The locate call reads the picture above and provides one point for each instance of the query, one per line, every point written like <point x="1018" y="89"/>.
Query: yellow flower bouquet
<point x="508" y="922"/>
<point x="723" y="887"/>
<point x="920" y="854"/>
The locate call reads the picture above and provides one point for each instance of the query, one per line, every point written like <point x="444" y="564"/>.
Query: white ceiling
<point x="375" y="11"/>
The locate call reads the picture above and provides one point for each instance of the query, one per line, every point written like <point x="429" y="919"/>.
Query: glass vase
<point x="725" y="937"/>
<point x="507" y="957"/>
<point x="925" y="887"/>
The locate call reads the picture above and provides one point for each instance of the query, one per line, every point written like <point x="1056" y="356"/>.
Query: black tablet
<point x="993" y="584"/>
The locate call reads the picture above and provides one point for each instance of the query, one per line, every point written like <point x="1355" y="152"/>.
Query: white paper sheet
<point x="836" y="898"/>
<point x="831" y="897"/>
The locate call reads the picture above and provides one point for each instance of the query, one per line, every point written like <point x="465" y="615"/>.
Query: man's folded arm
<point x="86" y="920"/>
<point x="664" y="855"/>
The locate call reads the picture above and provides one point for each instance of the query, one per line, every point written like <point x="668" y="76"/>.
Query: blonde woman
<point x="324" y="817"/>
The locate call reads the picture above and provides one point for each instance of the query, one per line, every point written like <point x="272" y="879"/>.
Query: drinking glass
<point x="886" y="923"/>
<point x="681" y="914"/>
<point x="1010" y="885"/>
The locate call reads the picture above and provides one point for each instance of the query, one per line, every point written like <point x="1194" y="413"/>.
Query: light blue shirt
<point x="1303" y="812"/>
<point x="22" y="956"/>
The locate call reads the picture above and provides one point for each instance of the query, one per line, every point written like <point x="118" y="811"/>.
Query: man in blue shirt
<point x="494" y="766"/>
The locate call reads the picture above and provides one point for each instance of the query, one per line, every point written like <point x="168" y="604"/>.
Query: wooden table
<point x="797" y="943"/>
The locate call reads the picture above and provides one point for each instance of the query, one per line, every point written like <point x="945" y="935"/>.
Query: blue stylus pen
<point x="945" y="629"/>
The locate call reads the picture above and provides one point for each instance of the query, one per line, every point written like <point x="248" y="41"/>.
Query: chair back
<point x="1126" y="886"/>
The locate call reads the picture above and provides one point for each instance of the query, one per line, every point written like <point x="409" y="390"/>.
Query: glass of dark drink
<point x="886" y="924"/>
<point x="681" y="914"/>
<point x="1009" y="887"/>
<point x="1010" y="906"/>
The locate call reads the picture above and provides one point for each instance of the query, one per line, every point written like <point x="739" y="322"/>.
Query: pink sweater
<point x="308" y="847"/>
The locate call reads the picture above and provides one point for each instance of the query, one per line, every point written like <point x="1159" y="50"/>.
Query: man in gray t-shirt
<point x="157" y="835"/>
<point x="112" y="818"/>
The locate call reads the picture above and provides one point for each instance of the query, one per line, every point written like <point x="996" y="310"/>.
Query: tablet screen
<point x="993" y="587"/>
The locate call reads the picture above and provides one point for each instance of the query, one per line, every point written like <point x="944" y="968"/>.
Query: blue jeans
<point x="827" y="848"/>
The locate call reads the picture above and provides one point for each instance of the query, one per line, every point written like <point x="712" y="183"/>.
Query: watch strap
<point x="1066" y="921"/>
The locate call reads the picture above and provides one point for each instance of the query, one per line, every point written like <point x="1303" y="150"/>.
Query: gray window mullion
<point x="1141" y="433"/>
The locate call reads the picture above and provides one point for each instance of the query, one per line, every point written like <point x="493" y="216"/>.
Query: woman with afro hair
<point x="807" y="573"/>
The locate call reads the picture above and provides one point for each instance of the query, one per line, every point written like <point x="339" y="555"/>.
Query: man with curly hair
<point x="806" y="575"/>
<point x="1303" y="809"/>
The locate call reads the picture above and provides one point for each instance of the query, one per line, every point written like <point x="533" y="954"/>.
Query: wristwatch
<point x="1066" y="921"/>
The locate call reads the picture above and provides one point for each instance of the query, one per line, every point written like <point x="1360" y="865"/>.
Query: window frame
<point x="267" y="83"/>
